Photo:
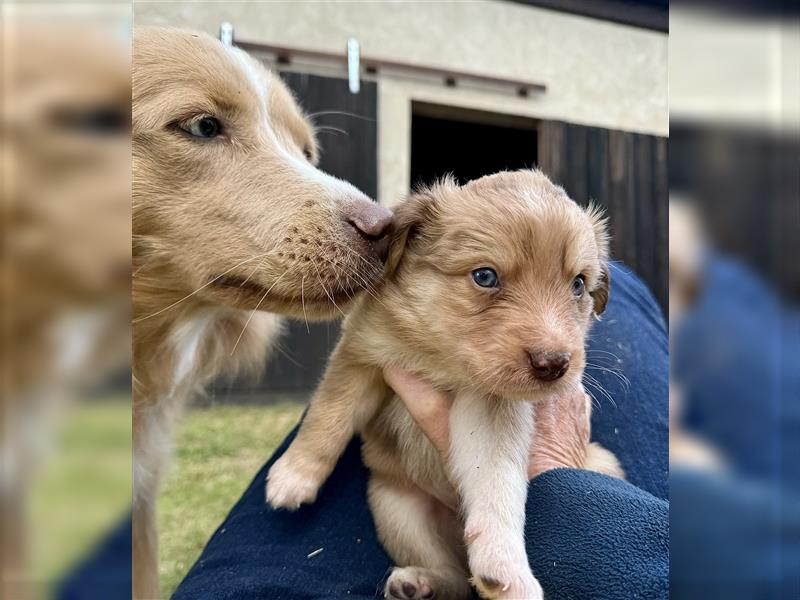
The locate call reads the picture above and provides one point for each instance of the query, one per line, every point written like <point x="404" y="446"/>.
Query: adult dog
<point x="232" y="226"/>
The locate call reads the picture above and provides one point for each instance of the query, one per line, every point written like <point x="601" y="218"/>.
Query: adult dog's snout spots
<point x="549" y="366"/>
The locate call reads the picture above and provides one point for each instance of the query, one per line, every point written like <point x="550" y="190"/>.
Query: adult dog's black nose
<point x="549" y="366"/>
<point x="372" y="222"/>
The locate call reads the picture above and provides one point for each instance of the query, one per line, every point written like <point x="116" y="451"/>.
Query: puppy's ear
<point x="410" y="220"/>
<point x="601" y="293"/>
<point x="600" y="227"/>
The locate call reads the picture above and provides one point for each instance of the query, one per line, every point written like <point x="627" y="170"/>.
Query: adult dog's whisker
<point x="322" y="113"/>
<point x="253" y="312"/>
<point x="352" y="272"/>
<point x="303" y="301"/>
<point x="319" y="279"/>
<point x="202" y="287"/>
<point x="332" y="130"/>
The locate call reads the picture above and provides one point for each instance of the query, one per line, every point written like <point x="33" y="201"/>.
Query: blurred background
<point x="402" y="94"/>
<point x="65" y="442"/>
<point x="734" y="178"/>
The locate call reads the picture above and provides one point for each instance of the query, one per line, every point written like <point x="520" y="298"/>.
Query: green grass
<point x="217" y="452"/>
<point x="82" y="489"/>
<point x="84" y="486"/>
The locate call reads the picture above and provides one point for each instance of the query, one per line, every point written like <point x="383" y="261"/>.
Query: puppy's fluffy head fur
<point x="537" y="241"/>
<point x="244" y="211"/>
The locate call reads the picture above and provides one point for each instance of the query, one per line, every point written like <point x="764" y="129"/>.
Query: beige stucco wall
<point x="734" y="69"/>
<point x="596" y="72"/>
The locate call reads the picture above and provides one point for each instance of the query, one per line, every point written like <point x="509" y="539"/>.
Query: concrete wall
<point x="597" y="73"/>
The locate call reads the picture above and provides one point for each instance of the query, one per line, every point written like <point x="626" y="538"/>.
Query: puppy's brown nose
<point x="549" y="366"/>
<point x="372" y="222"/>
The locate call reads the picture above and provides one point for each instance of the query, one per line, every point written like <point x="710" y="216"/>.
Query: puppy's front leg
<point x="345" y="400"/>
<point x="489" y="455"/>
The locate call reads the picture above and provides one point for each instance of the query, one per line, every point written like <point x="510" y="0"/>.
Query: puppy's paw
<point x="410" y="583"/>
<point x="508" y="586"/>
<point x="500" y="572"/>
<point x="292" y="482"/>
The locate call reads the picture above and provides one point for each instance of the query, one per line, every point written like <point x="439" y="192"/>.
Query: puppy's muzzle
<point x="372" y="222"/>
<point x="549" y="366"/>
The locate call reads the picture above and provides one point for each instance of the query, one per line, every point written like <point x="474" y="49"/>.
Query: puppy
<point x="489" y="292"/>
<point x="232" y="226"/>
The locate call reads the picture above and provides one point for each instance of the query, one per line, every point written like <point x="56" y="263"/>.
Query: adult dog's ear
<point x="411" y="219"/>
<point x="601" y="293"/>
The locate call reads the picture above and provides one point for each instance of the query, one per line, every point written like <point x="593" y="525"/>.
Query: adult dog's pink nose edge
<point x="372" y="222"/>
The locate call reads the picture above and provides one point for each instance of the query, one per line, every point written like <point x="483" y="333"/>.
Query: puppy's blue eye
<point x="486" y="277"/>
<point x="578" y="286"/>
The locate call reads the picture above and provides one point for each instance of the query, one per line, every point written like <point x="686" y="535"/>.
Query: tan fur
<point x="429" y="317"/>
<point x="228" y="232"/>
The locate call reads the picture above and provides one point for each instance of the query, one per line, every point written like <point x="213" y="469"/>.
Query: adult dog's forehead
<point x="172" y="62"/>
<point x="168" y="74"/>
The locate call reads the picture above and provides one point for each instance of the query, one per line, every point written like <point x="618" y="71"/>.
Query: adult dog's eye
<point x="308" y="154"/>
<point x="204" y="127"/>
<point x="486" y="277"/>
<point x="578" y="286"/>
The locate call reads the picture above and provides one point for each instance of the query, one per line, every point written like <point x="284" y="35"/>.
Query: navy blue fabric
<point x="594" y="537"/>
<point x="736" y="356"/>
<point x="632" y="340"/>
<point x="733" y="538"/>
<point x="589" y="536"/>
<point x="106" y="573"/>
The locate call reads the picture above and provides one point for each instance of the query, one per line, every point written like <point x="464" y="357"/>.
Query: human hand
<point x="562" y="424"/>
<point x="561" y="433"/>
<point x="428" y="406"/>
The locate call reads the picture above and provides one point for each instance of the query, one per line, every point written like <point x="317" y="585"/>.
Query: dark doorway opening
<point x="468" y="144"/>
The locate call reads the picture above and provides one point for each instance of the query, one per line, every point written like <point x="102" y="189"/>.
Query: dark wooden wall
<point x="626" y="174"/>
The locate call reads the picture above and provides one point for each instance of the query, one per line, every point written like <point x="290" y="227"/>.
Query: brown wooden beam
<point x="450" y="77"/>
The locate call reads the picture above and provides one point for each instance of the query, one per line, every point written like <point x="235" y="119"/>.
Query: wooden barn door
<point x="625" y="173"/>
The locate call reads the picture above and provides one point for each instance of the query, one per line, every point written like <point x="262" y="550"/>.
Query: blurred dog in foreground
<point x="232" y="225"/>
<point x="489" y="292"/>
<point x="65" y="285"/>
<point x="686" y="255"/>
